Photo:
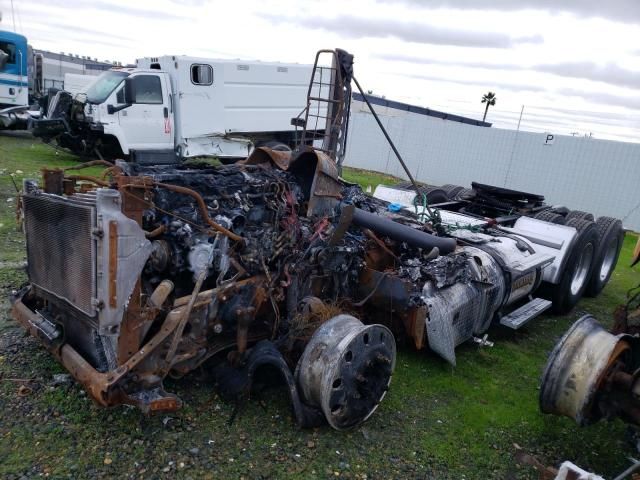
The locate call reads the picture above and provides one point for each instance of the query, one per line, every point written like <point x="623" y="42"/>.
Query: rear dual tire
<point x="548" y="216"/>
<point x="579" y="215"/>
<point x="452" y="190"/>
<point x="577" y="269"/>
<point x="610" y="238"/>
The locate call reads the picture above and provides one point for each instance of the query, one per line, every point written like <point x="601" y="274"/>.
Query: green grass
<point x="23" y="157"/>
<point x="367" y="178"/>
<point x="437" y="421"/>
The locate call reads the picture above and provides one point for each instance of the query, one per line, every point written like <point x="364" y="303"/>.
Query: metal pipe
<point x="156" y="232"/>
<point x="177" y="336"/>
<point x="87" y="178"/>
<point x="92" y="163"/>
<point x="160" y="294"/>
<point x="384" y="131"/>
<point x="203" y="209"/>
<point x="93" y="381"/>
<point x="633" y="468"/>
<point x="403" y="233"/>
<point x="113" y="170"/>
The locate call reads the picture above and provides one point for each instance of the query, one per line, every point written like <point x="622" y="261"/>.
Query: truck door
<point x="148" y="122"/>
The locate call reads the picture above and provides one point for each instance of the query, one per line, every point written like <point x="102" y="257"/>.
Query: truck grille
<point x="61" y="250"/>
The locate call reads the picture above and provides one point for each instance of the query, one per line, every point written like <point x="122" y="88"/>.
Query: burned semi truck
<point x="272" y="263"/>
<point x="585" y="254"/>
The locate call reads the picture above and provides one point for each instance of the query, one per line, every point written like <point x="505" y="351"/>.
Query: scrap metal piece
<point x="319" y="179"/>
<point x="570" y="471"/>
<point x="268" y="156"/>
<point x="346" y="369"/>
<point x="346" y="217"/>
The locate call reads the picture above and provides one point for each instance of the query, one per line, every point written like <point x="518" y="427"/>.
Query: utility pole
<point x="13" y="15"/>
<point x="513" y="148"/>
<point x="520" y="119"/>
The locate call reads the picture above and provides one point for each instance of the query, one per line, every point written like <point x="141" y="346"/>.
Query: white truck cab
<point x="137" y="112"/>
<point x="186" y="106"/>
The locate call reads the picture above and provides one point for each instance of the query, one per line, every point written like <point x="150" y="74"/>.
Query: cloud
<point x="151" y="13"/>
<point x="576" y="117"/>
<point x="516" y="87"/>
<point x="409" y="31"/>
<point x="610" y="73"/>
<point x="627" y="11"/>
<point x="597" y="115"/>
<point x="116" y="8"/>
<point x="88" y="35"/>
<point x="632" y="103"/>
<point x="399" y="57"/>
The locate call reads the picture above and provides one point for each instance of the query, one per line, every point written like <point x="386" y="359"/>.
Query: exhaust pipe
<point x="402" y="233"/>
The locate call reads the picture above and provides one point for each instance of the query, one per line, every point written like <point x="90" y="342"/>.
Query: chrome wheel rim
<point x="608" y="262"/>
<point x="582" y="271"/>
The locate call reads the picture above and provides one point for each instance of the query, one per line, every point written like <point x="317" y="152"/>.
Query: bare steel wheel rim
<point x="582" y="271"/>
<point x="608" y="261"/>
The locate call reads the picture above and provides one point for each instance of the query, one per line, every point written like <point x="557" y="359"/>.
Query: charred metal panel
<point x="458" y="311"/>
<point x="123" y="251"/>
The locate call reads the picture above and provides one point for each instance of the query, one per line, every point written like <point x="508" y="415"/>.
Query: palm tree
<point x="490" y="99"/>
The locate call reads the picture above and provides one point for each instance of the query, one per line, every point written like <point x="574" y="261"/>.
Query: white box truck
<point x="174" y="107"/>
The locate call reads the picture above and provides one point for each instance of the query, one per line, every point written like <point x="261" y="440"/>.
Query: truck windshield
<point x="8" y="49"/>
<point x="101" y="88"/>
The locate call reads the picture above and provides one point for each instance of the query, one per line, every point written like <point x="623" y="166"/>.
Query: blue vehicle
<point x="14" y="81"/>
<point x="14" y="75"/>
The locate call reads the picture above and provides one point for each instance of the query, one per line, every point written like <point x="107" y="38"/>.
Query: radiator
<point x="61" y="249"/>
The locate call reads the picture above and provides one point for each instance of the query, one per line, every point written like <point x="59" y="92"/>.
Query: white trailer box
<point x="178" y="106"/>
<point x="232" y="96"/>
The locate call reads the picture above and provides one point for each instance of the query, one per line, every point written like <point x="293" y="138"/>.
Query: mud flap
<point x="236" y="383"/>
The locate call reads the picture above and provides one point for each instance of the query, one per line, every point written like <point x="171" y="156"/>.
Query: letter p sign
<point x="549" y="138"/>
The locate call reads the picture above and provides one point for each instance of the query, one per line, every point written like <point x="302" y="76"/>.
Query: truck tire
<point x="550" y="217"/>
<point x="452" y="190"/>
<point x="580" y="215"/>
<point x="610" y="238"/>
<point x="409" y="185"/>
<point x="465" y="194"/>
<point x="435" y="195"/>
<point x="577" y="269"/>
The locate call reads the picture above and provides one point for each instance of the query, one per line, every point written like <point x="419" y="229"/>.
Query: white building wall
<point x="598" y="176"/>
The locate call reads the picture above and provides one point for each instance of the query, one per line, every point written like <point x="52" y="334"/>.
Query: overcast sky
<point x="573" y="64"/>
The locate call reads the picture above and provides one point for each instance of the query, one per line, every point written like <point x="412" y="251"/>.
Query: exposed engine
<point x="173" y="265"/>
